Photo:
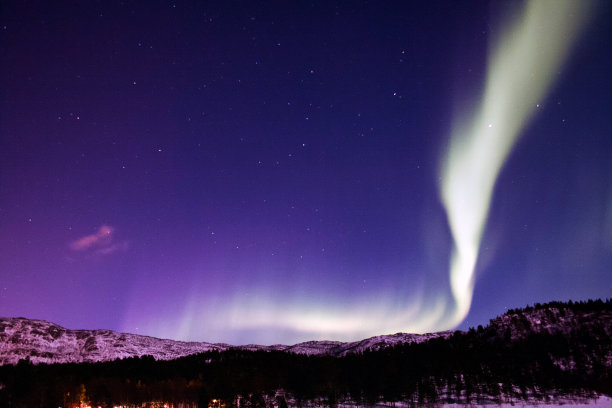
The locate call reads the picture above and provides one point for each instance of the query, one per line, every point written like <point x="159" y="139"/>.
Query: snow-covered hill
<point x="44" y="342"/>
<point x="339" y="349"/>
<point x="518" y="324"/>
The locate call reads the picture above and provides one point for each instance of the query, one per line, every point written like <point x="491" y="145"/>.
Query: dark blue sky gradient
<point x="276" y="151"/>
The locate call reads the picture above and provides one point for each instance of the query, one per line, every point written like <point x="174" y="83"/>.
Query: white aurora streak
<point x="521" y="70"/>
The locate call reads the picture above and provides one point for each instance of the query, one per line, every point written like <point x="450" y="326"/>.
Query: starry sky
<point x="269" y="172"/>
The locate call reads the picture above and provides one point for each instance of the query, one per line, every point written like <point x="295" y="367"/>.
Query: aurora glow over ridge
<point x="276" y="173"/>
<point x="520" y="74"/>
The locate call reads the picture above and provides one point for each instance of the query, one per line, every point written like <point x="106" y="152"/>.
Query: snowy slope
<point x="552" y="320"/>
<point x="44" y="342"/>
<point x="339" y="349"/>
<point x="372" y="343"/>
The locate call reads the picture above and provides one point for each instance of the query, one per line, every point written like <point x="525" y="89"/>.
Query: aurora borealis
<point x="520" y="72"/>
<point x="276" y="172"/>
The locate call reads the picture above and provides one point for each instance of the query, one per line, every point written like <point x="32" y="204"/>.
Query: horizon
<point x="464" y="330"/>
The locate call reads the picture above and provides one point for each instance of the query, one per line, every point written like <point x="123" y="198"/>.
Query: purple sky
<point x="269" y="171"/>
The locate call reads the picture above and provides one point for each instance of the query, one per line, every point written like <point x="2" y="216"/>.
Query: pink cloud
<point x="102" y="242"/>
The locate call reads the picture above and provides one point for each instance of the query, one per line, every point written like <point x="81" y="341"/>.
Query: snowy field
<point x="601" y="402"/>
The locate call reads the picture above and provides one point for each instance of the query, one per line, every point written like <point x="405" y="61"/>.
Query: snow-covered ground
<point x="601" y="402"/>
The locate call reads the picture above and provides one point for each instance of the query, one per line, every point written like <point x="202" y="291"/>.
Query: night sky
<point x="270" y="172"/>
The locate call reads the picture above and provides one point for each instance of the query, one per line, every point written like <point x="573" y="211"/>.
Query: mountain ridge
<point x="40" y="341"/>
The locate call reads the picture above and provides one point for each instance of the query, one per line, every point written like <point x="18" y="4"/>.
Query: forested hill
<point x="536" y="353"/>
<point x="593" y="317"/>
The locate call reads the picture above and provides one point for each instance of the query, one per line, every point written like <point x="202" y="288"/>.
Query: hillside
<point x="44" y="342"/>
